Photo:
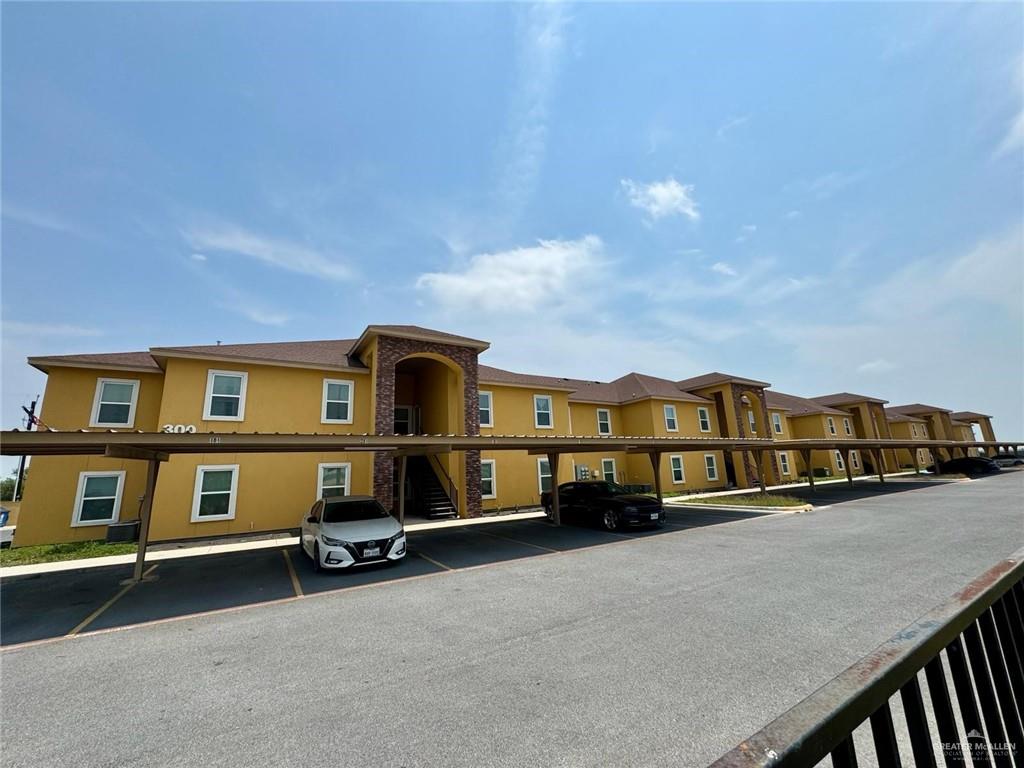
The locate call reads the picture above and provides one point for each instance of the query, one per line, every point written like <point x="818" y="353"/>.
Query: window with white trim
<point x="777" y="423"/>
<point x="704" y="419"/>
<point x="847" y="428"/>
<point x="98" y="499"/>
<point x="543" y="418"/>
<point x="840" y="465"/>
<point x="675" y="463"/>
<point x="333" y="480"/>
<point x="215" y="492"/>
<point x="710" y="466"/>
<point x="488" y="481"/>
<point x="225" y="396"/>
<point x="608" y="470"/>
<point x="855" y="459"/>
<point x="337" y="402"/>
<point x="753" y="422"/>
<point x="831" y="425"/>
<point x="486" y="400"/>
<point x="784" y="462"/>
<point x="671" y="424"/>
<point x="543" y="475"/>
<point x="114" y="403"/>
<point x="604" y="421"/>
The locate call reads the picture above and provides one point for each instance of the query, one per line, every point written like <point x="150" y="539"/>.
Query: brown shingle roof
<point x="634" y="386"/>
<point x="418" y="332"/>
<point x="915" y="408"/>
<point x="845" y="398"/>
<point x="969" y="416"/>
<point x="133" y="360"/>
<point x="710" y="379"/>
<point x="328" y="352"/>
<point x="798" y="406"/>
<point x="900" y="417"/>
<point x="489" y="375"/>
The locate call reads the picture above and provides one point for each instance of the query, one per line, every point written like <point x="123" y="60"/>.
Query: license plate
<point x="655" y="515"/>
<point x="371" y="552"/>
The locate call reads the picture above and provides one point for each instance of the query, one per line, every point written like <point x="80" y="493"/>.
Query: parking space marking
<point x="433" y="561"/>
<point x="291" y="573"/>
<point x="99" y="611"/>
<point x="517" y="541"/>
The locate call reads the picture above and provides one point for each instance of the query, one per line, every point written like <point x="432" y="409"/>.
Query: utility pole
<point x="20" y="479"/>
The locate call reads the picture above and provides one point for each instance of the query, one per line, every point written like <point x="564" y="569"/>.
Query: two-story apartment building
<point x="389" y="380"/>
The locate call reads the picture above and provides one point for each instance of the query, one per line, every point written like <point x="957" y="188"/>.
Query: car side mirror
<point x="311" y="519"/>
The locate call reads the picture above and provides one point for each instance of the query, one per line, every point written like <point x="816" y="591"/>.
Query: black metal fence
<point x="970" y="712"/>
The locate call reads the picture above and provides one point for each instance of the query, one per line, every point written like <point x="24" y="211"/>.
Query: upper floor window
<point x="753" y="422"/>
<point x="671" y="425"/>
<point x="704" y="419"/>
<point x="225" y="396"/>
<point x="604" y="421"/>
<point x="486" y="409"/>
<point x="114" y="404"/>
<point x="831" y="425"/>
<point x="847" y="427"/>
<point x="676" y="464"/>
<point x="543" y="418"/>
<point x="337" y="405"/>
<point x="98" y="500"/>
<point x="777" y="423"/>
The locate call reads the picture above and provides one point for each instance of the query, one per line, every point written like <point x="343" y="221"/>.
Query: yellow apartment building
<point x="392" y="379"/>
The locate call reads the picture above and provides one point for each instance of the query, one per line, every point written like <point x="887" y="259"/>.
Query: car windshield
<point x="350" y="511"/>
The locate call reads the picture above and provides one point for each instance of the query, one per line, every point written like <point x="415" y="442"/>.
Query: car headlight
<point x="333" y="542"/>
<point x="630" y="510"/>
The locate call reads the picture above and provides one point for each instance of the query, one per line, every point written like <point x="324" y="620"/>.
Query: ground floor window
<point x="332" y="480"/>
<point x="784" y="462"/>
<point x="855" y="459"/>
<point x="839" y="462"/>
<point x="488" y="487"/>
<point x="676" y="463"/>
<point x="711" y="466"/>
<point x="543" y="475"/>
<point x="608" y="470"/>
<point x="98" y="500"/>
<point x="215" y="492"/>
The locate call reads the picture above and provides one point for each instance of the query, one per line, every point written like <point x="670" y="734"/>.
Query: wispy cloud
<point x="829" y="184"/>
<point x="724" y="269"/>
<point x="517" y="279"/>
<point x="1013" y="139"/>
<point x="198" y="257"/>
<point x="275" y="252"/>
<point x="794" y="214"/>
<point x="746" y="231"/>
<point x="37" y="218"/>
<point x="660" y="199"/>
<point x="730" y="125"/>
<point x="18" y="328"/>
<point x="878" y="365"/>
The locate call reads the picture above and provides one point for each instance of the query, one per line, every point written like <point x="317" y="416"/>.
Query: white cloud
<point x="1014" y="138"/>
<point x="745" y="232"/>
<point x="38" y="219"/>
<point x="723" y="269"/>
<point x="729" y="125"/>
<point x="520" y="278"/>
<point x="662" y="198"/>
<point x="829" y="184"/>
<point x="198" y="257"/>
<point x="15" y="328"/>
<point x="878" y="365"/>
<point x="794" y="214"/>
<point x="275" y="252"/>
<point x="258" y="314"/>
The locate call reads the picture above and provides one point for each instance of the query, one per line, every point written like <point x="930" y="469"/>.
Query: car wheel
<point x="610" y="519"/>
<point x="316" y="559"/>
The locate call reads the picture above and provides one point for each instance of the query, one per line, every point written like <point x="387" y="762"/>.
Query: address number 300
<point x="178" y="428"/>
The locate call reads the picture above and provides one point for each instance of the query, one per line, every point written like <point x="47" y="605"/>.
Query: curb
<point x="770" y="510"/>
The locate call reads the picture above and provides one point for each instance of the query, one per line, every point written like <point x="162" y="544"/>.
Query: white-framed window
<point x="704" y="419"/>
<point x="839" y="462"/>
<point x="777" y="423"/>
<point x="913" y="430"/>
<point x="604" y="421"/>
<point x="114" y="403"/>
<point x="98" y="499"/>
<point x="543" y="418"/>
<point x="543" y="475"/>
<point x="711" y="466"/>
<point x="608" y="470"/>
<point x="215" y="493"/>
<point x="831" y="425"/>
<point x="847" y="427"/>
<point x="225" y="396"/>
<point x="753" y="422"/>
<point x="486" y="409"/>
<point x="333" y="479"/>
<point x="337" y="401"/>
<point x="855" y="459"/>
<point x="488" y="479"/>
<point x="671" y="424"/>
<point x="675" y="463"/>
<point x="784" y="462"/>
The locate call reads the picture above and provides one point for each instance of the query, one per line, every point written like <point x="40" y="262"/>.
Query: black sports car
<point x="599" y="502"/>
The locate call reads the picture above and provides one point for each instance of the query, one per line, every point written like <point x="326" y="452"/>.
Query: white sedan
<point x="345" y="531"/>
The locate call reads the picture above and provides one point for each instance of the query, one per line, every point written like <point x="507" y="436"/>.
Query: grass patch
<point x="750" y="500"/>
<point x="52" y="553"/>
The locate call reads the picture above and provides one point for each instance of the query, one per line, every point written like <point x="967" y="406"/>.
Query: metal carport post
<point x="153" y="460"/>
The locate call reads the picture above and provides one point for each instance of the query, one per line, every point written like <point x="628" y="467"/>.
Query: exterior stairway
<point x="431" y="497"/>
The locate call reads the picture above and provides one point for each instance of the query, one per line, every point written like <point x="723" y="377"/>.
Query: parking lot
<point x="47" y="606"/>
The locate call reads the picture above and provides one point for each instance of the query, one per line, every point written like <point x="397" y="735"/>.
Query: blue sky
<point x="824" y="196"/>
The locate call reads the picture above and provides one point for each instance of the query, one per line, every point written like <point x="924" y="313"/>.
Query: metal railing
<point x="453" y="490"/>
<point x="980" y="632"/>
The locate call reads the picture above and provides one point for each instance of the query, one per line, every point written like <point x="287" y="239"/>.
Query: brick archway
<point x="391" y="350"/>
<point x="758" y="404"/>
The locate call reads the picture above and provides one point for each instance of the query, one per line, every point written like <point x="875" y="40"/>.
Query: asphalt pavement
<point x="663" y="650"/>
